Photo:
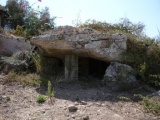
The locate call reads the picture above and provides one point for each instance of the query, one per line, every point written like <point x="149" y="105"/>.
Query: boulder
<point x="10" y="44"/>
<point x="119" y="76"/>
<point x="83" y="42"/>
<point x="72" y="108"/>
<point x="19" y="61"/>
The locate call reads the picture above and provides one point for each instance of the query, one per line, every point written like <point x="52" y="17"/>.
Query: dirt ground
<point x="91" y="103"/>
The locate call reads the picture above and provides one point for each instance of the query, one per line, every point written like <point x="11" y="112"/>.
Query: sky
<point x="67" y="11"/>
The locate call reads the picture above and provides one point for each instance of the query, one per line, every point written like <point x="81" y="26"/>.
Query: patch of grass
<point x="41" y="98"/>
<point x="30" y="79"/>
<point x="11" y="77"/>
<point x="24" y="78"/>
<point x="150" y="104"/>
<point x="33" y="79"/>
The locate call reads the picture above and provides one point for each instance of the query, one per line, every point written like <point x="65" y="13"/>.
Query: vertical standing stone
<point x="71" y="67"/>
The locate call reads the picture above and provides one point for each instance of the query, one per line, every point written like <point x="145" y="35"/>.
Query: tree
<point x="46" y="21"/>
<point x="16" y="12"/>
<point x="3" y="16"/>
<point x="32" y="24"/>
<point x="30" y="20"/>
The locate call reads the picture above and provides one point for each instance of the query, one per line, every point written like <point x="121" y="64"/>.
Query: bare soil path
<point x="18" y="102"/>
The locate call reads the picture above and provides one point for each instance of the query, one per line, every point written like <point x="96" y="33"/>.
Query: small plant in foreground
<point x="41" y="98"/>
<point x="49" y="90"/>
<point x="123" y="98"/>
<point x="150" y="104"/>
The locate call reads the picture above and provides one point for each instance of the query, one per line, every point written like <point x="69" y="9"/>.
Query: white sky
<point x="145" y="11"/>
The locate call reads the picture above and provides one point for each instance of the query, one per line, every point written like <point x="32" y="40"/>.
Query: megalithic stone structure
<point x="69" y="43"/>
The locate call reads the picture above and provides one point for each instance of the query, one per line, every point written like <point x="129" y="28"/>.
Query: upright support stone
<point x="71" y="67"/>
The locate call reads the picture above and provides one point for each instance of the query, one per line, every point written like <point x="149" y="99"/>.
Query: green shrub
<point x="19" y="30"/>
<point x="37" y="61"/>
<point x="41" y="98"/>
<point x="144" y="56"/>
<point x="24" y="78"/>
<point x="155" y="80"/>
<point x="150" y="104"/>
<point x="33" y="21"/>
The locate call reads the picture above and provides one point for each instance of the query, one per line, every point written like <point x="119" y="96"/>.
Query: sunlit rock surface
<point x="83" y="42"/>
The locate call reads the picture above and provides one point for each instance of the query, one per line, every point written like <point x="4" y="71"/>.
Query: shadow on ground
<point x="83" y="91"/>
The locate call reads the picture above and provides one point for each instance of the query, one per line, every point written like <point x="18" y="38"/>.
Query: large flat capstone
<point x="83" y="42"/>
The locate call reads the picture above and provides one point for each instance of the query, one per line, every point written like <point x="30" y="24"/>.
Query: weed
<point x="49" y="90"/>
<point x="123" y="98"/>
<point x="41" y="98"/>
<point x="11" y="77"/>
<point x="19" y="30"/>
<point x="150" y="104"/>
<point x="29" y="79"/>
<point x="24" y="78"/>
<point x="37" y="61"/>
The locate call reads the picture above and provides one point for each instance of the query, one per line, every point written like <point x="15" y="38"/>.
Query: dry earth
<point x="91" y="104"/>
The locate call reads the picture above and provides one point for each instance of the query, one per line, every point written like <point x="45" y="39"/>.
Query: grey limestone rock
<point x="83" y="42"/>
<point x="120" y="76"/>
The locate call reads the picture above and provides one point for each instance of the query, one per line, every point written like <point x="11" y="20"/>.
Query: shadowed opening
<point x="92" y="67"/>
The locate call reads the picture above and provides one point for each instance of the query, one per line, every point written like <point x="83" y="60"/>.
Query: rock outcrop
<point x="18" y="62"/>
<point x="119" y="76"/>
<point x="84" y="42"/>
<point x="11" y="44"/>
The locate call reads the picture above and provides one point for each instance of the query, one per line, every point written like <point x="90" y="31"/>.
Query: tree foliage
<point x="33" y="21"/>
<point x="16" y="12"/>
